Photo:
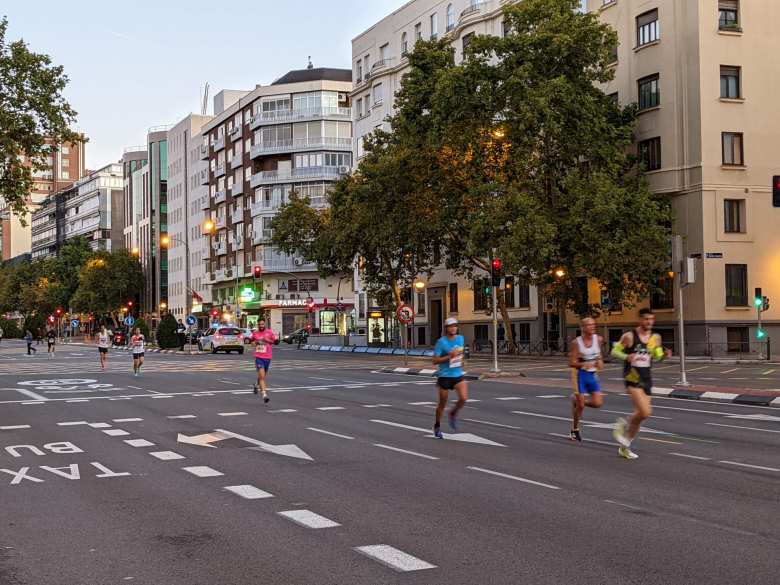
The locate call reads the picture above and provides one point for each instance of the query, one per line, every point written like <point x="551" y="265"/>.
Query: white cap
<point x="450" y="321"/>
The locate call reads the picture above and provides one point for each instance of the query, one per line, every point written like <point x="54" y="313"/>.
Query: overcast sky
<point x="133" y="65"/>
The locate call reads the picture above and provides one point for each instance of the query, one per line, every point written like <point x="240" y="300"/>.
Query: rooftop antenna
<point x="204" y="107"/>
<point x="310" y="66"/>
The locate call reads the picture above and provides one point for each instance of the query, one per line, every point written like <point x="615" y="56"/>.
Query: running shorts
<point x="51" y="343"/>
<point x="639" y="378"/>
<point x="138" y="355"/>
<point x="448" y="383"/>
<point x="263" y="363"/>
<point x="102" y="349"/>
<point x="586" y="382"/>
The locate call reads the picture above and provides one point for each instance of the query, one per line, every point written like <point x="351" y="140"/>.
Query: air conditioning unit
<point x="342" y="97"/>
<point x="298" y="261"/>
<point x="229" y="273"/>
<point x="343" y="170"/>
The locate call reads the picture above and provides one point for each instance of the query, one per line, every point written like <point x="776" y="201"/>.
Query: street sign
<point x="74" y="323"/>
<point x="129" y="321"/>
<point x="405" y="314"/>
<point x="191" y="320"/>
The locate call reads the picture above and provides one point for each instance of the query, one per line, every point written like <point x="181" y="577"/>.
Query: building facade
<point x="294" y="135"/>
<point x="703" y="77"/>
<point x="92" y="207"/>
<point x="379" y="60"/>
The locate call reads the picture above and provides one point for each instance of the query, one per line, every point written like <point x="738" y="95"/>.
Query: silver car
<point x="225" y="338"/>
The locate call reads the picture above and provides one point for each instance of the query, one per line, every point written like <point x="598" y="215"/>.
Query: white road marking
<point x="629" y="413"/>
<point x="750" y="466"/>
<point x="162" y="396"/>
<point x="121" y="398"/>
<point x="179" y="416"/>
<point x="698" y="369"/>
<point x="428" y="371"/>
<point x="514" y="477"/>
<point x="690" y="456"/>
<point x="422" y="403"/>
<point x="78" y="400"/>
<point x="394" y="558"/>
<point x="285" y="450"/>
<point x="127" y="420"/>
<point x="662" y="391"/>
<point x="492" y="424"/>
<point x="551" y="396"/>
<point x="324" y="432"/>
<point x="324" y="379"/>
<point x="30" y="394"/>
<point x="729" y="371"/>
<point x="116" y="433"/>
<point x="621" y="504"/>
<point x="768" y="372"/>
<point x="248" y="492"/>
<point x="32" y="403"/>
<point x="562" y="436"/>
<point x="401" y="426"/>
<point x="719" y="395"/>
<point x="511" y="398"/>
<point x="229" y="382"/>
<point x="330" y="408"/>
<point x="541" y="415"/>
<point x="231" y="414"/>
<point x="746" y="428"/>
<point x="309" y="519"/>
<point x="202" y="471"/>
<point x="166" y="455"/>
<point x="14" y="427"/>
<point x="283" y="410"/>
<point x="135" y="387"/>
<point x="99" y="425"/>
<point x="139" y="443"/>
<point x="415" y="453"/>
<point x="72" y="423"/>
<point x="401" y="370"/>
<point x="375" y="405"/>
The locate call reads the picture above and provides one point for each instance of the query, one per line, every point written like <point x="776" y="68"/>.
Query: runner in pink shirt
<point x="263" y="339"/>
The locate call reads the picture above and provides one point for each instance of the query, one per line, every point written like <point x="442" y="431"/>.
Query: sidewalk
<point x="148" y="349"/>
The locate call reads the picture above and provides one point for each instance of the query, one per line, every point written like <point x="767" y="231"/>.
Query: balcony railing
<point x="281" y="116"/>
<point x="264" y="206"/>
<point x="211" y="277"/>
<point x="238" y="244"/>
<point x="475" y="8"/>
<point x="220" y="222"/>
<point x="204" y="152"/>
<point x="237" y="161"/>
<point x="302" y="174"/>
<point x="219" y="143"/>
<point x="237" y="215"/>
<point x="220" y="196"/>
<point x="219" y="275"/>
<point x="220" y="248"/>
<point x="276" y="263"/>
<point x="204" y="177"/>
<point x="381" y="64"/>
<point x="220" y="170"/>
<point x="299" y="144"/>
<point x="206" y="204"/>
<point x="235" y="133"/>
<point x="237" y="188"/>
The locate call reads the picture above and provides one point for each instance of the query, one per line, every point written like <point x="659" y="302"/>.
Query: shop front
<point x="383" y="330"/>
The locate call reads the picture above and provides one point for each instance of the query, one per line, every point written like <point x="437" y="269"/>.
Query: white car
<point x="225" y="338"/>
<point x="247" y="336"/>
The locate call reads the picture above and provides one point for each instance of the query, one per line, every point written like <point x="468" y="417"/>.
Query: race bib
<point x="457" y="361"/>
<point x="260" y="347"/>
<point x="642" y="360"/>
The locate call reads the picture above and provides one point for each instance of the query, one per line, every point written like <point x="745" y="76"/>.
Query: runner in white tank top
<point x="586" y="361"/>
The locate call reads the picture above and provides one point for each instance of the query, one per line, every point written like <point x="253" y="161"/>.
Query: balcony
<point x="301" y="144"/>
<point x="219" y="275"/>
<point x="219" y="143"/>
<point x="206" y="204"/>
<point x="237" y="216"/>
<point x="237" y="188"/>
<point x="219" y="248"/>
<point x="302" y="174"/>
<point x="286" y="116"/>
<point x="220" y="196"/>
<point x="220" y="170"/>
<point x="237" y="161"/>
<point x="204" y="177"/>
<point x="211" y="277"/>
<point x="381" y="64"/>
<point x="238" y="244"/>
<point x="220" y="223"/>
<point x="204" y="152"/>
<point x="473" y="11"/>
<point x="273" y="262"/>
<point x="262" y="237"/>
<point x="235" y="133"/>
<point x="267" y="206"/>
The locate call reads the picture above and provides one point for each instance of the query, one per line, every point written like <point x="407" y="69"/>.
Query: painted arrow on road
<point x="286" y="450"/>
<point x="463" y="437"/>
<point x="201" y="440"/>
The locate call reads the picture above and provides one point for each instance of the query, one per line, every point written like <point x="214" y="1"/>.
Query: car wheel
<point x="213" y="349"/>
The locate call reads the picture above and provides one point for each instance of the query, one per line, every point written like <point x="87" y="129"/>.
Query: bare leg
<point x="261" y="380"/>
<point x="462" y="389"/>
<point x="577" y="406"/>
<point x="642" y="410"/>
<point x="443" y="396"/>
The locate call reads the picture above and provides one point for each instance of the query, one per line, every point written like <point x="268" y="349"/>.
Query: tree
<point x="143" y="327"/>
<point x="166" y="332"/>
<point x="32" y="110"/>
<point x="106" y="281"/>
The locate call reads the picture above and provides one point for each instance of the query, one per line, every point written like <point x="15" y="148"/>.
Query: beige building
<point x="706" y="81"/>
<point x="379" y="62"/>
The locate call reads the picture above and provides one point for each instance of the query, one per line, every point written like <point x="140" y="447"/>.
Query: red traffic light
<point x="310" y="305"/>
<point x="129" y="303"/>
<point x="58" y="312"/>
<point x="215" y="313"/>
<point x="496" y="264"/>
<point x="257" y="271"/>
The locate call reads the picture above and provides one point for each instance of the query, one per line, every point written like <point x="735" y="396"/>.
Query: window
<point x="647" y="30"/>
<point x="730" y="82"/>
<point x="728" y="15"/>
<point x="359" y="108"/>
<point x="467" y="41"/>
<point x="434" y="26"/>
<point x="663" y="296"/>
<point x="523" y="296"/>
<point x="613" y="53"/>
<point x="404" y="44"/>
<point x="509" y="292"/>
<point x="421" y="303"/>
<point x="359" y="70"/>
<point x="453" y="297"/>
<point x="450" y="17"/>
<point x="737" y="339"/>
<point x="649" y="92"/>
<point x="65" y="162"/>
<point x="650" y="153"/>
<point x="736" y="285"/>
<point x="65" y="150"/>
<point x="383" y="52"/>
<point x="734" y="216"/>
<point x="417" y="32"/>
<point x="65" y="175"/>
<point x="733" y="152"/>
<point x="481" y="333"/>
<point x="480" y="297"/>
<point x="614" y="97"/>
<point x="378" y="93"/>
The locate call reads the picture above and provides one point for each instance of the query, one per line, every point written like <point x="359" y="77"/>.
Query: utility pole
<point x="495" y="265"/>
<point x="685" y="269"/>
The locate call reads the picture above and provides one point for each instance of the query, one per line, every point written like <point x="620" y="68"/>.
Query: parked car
<point x="297" y="336"/>
<point x="120" y="337"/>
<point x="225" y="338"/>
<point x="193" y="336"/>
<point x="247" y="336"/>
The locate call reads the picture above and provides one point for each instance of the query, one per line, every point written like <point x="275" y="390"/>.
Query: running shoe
<point x="453" y="423"/>
<point x="255" y="389"/>
<point x="627" y="453"/>
<point x="266" y="399"/>
<point x="620" y="433"/>
<point x="437" y="432"/>
<point x="575" y="435"/>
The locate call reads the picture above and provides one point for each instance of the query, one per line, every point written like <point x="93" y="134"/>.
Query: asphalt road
<point x="338" y="480"/>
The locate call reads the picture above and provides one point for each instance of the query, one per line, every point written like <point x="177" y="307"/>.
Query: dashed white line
<point x="330" y="408"/>
<point x="551" y="396"/>
<point x="202" y="471"/>
<point x="116" y="433"/>
<point x="166" y="455"/>
<point x="162" y="396"/>
<point x="729" y="371"/>
<point x="541" y="415"/>
<point x="698" y="369"/>
<point x="394" y="558"/>
<point x="375" y="405"/>
<point x="514" y="477"/>
<point x="324" y="432"/>
<point x="139" y="443"/>
<point x="72" y="423"/>
<point x="510" y="398"/>
<point x="493" y="424"/>
<point x="248" y="492"/>
<point x="181" y="416"/>
<point x="229" y="382"/>
<point x="283" y="410"/>
<point x="761" y="467"/>
<point x="690" y="456"/>
<point x="231" y="414"/>
<point x="562" y="436"/>
<point x="34" y="403"/>
<point x="127" y="420"/>
<point x="746" y="428"/>
<point x="77" y="400"/>
<point x="99" y="425"/>
<point x="309" y="519"/>
<point x="14" y="427"/>
<point x="422" y="403"/>
<point x="396" y="449"/>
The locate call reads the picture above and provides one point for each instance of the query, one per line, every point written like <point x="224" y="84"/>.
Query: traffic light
<point x="776" y="191"/>
<point x="58" y="312"/>
<point x="310" y="305"/>
<point x="765" y="306"/>
<point x="257" y="271"/>
<point x="758" y="298"/>
<point x="486" y="286"/>
<point x="214" y="313"/>
<point x="760" y="334"/>
<point x="495" y="271"/>
<point x="130" y="304"/>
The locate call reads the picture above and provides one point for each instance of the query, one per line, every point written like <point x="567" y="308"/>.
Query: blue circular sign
<point x="191" y="320"/>
<point x="74" y="323"/>
<point x="129" y="321"/>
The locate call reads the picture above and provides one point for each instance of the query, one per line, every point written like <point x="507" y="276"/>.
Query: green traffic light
<point x="760" y="334"/>
<point x="758" y="302"/>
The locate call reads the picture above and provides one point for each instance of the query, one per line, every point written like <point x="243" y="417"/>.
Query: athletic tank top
<point x="589" y="356"/>
<point x="643" y="351"/>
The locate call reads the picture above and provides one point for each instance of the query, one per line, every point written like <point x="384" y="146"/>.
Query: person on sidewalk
<point x="28" y="337"/>
<point x="638" y="349"/>
<point x="1" y="334"/>
<point x="181" y="333"/>
<point x="448" y="356"/>
<point x="586" y="362"/>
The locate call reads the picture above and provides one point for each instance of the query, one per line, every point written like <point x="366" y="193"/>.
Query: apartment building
<point x="187" y="288"/>
<point x="64" y="166"/>
<point x="92" y="207"/>
<point x="704" y="77"/>
<point x="294" y="135"/>
<point x="379" y="59"/>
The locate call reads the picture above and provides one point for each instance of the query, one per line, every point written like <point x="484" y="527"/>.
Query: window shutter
<point x="647" y="18"/>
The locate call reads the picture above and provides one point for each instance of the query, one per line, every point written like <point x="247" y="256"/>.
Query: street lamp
<point x="165" y="241"/>
<point x="163" y="306"/>
<point x="560" y="273"/>
<point x="135" y="251"/>
<point x="209" y="225"/>
<point x="419" y="286"/>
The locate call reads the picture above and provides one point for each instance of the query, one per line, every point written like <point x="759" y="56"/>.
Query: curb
<point x="421" y="372"/>
<point x="722" y="397"/>
<point x="369" y="350"/>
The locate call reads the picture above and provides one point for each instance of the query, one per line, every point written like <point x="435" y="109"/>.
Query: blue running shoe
<point x="437" y="432"/>
<point x="453" y="423"/>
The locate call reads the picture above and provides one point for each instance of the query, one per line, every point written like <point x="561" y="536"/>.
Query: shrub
<point x="166" y="332"/>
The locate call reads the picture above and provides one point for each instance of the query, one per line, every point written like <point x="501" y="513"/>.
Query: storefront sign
<point x="292" y="303"/>
<point x="248" y="295"/>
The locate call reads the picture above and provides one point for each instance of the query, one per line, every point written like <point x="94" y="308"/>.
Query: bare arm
<point x="574" y="356"/>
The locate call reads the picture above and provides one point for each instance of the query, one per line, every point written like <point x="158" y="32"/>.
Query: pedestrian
<point x="51" y="340"/>
<point x="1" y="334"/>
<point x="181" y="332"/>
<point x="448" y="356"/>
<point x="28" y="337"/>
<point x="637" y="349"/>
<point x="137" y="343"/>
<point x="263" y="339"/>
<point x="586" y="362"/>
<point x="103" y="343"/>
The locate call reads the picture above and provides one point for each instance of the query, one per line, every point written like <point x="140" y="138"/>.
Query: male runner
<point x="51" y="341"/>
<point x="638" y="349"/>
<point x="137" y="343"/>
<point x="263" y="339"/>
<point x="103" y="343"/>
<point x="586" y="362"/>
<point x="448" y="355"/>
<point x="28" y="337"/>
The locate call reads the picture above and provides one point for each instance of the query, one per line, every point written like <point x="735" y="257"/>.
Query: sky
<point x="134" y="65"/>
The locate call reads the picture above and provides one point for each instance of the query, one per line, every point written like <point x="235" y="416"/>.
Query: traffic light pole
<point x="681" y="327"/>
<point x="495" y="323"/>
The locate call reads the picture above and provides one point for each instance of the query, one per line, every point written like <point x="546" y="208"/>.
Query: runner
<point x="51" y="341"/>
<point x="103" y="343"/>
<point x="263" y="339"/>
<point x="1" y="334"/>
<point x="585" y="359"/>
<point x="448" y="355"/>
<point x="28" y="337"/>
<point x="638" y="349"/>
<point x="137" y="343"/>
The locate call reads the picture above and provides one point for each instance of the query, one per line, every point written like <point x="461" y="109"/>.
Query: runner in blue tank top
<point x="448" y="355"/>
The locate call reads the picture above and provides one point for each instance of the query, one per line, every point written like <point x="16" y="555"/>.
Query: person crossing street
<point x="263" y="339"/>
<point x="28" y="337"/>
<point x="137" y="342"/>
<point x="51" y="342"/>
<point x="103" y="343"/>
